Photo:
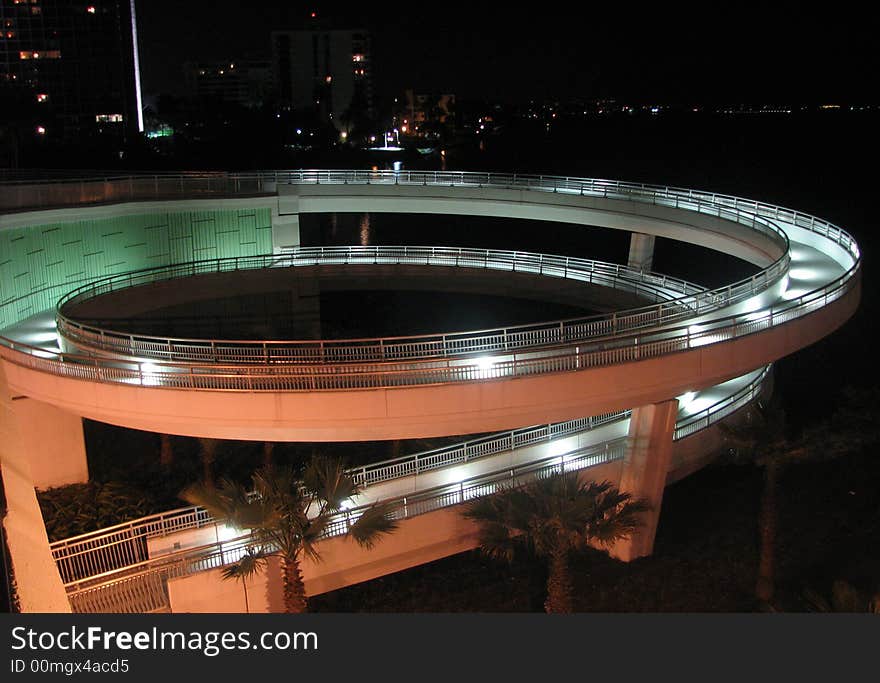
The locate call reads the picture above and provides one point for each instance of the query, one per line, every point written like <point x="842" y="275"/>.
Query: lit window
<point x="90" y="9"/>
<point x="108" y="118"/>
<point x="42" y="97"/>
<point x="36" y="10"/>
<point x="357" y="58"/>
<point x="45" y="54"/>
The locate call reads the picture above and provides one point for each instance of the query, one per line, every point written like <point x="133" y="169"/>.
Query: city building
<point x="425" y="115"/>
<point x="326" y="71"/>
<point x="240" y="82"/>
<point x="70" y="68"/>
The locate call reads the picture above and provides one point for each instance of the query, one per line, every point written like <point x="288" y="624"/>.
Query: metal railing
<point x="555" y="355"/>
<point x="88" y="557"/>
<point x="468" y="451"/>
<point x="723" y="408"/>
<point x="120" y="187"/>
<point x="125" y="544"/>
<point x="679" y="300"/>
<point x="121" y="545"/>
<point x="504" y="364"/>
<point x="146" y="582"/>
<point x="21" y="195"/>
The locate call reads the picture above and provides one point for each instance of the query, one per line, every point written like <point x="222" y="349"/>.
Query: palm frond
<point x="327" y="480"/>
<point x="375" y="521"/>
<point x="554" y="514"/>
<point x="253" y="562"/>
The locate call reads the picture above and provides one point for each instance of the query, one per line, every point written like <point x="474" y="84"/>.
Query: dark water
<point x="376" y="314"/>
<point x="691" y="262"/>
<point x="346" y="315"/>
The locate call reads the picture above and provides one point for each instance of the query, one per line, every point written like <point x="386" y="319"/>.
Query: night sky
<point x="499" y="53"/>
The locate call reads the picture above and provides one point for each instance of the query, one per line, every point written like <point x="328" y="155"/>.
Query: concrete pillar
<point x="641" y="251"/>
<point x="38" y="583"/>
<point x="285" y="226"/>
<point x="644" y="471"/>
<point x="285" y="232"/>
<point x="54" y="442"/>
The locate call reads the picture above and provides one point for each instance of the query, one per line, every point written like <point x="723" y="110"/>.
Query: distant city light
<point x="42" y="97"/>
<point x="41" y="130"/>
<point x="91" y="9"/>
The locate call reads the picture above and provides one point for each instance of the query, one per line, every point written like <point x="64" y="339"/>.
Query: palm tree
<point x="166" y="451"/>
<point x="763" y="439"/>
<point x="288" y="517"/>
<point x="844" y="598"/>
<point x="268" y="450"/>
<point x="208" y="454"/>
<point x="250" y="564"/>
<point x="554" y="517"/>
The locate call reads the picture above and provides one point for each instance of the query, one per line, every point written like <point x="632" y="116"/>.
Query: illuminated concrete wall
<point x="54" y="442"/>
<point x="38" y="582"/>
<point x="37" y="257"/>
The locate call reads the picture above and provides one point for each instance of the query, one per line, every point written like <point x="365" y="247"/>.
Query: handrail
<point x="126" y="542"/>
<point x="144" y="584"/>
<point x="402" y="507"/>
<point x="694" y="300"/>
<point x="335" y="376"/>
<point x="560" y="358"/>
<point x="177" y="184"/>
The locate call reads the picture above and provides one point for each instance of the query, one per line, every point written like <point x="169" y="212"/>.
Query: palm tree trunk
<point x="558" y="584"/>
<point x="767" y="526"/>
<point x="166" y="452"/>
<point x="209" y="454"/>
<point x="293" y="586"/>
<point x="268" y="449"/>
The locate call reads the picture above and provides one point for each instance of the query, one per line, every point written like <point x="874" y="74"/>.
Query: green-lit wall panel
<point x="50" y="257"/>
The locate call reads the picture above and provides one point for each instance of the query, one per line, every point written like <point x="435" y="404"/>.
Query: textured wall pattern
<point x="39" y="263"/>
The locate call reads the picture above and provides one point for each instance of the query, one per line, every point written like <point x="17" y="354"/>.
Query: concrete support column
<point x="285" y="224"/>
<point x="285" y="232"/>
<point x="641" y="251"/>
<point x="644" y="471"/>
<point x="38" y="583"/>
<point x="54" y="442"/>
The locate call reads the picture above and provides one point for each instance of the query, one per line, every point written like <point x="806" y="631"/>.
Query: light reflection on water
<point x="364" y="226"/>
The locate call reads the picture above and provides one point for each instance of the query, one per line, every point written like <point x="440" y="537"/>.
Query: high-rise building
<point x="240" y="82"/>
<point x="70" y="67"/>
<point x="328" y="71"/>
